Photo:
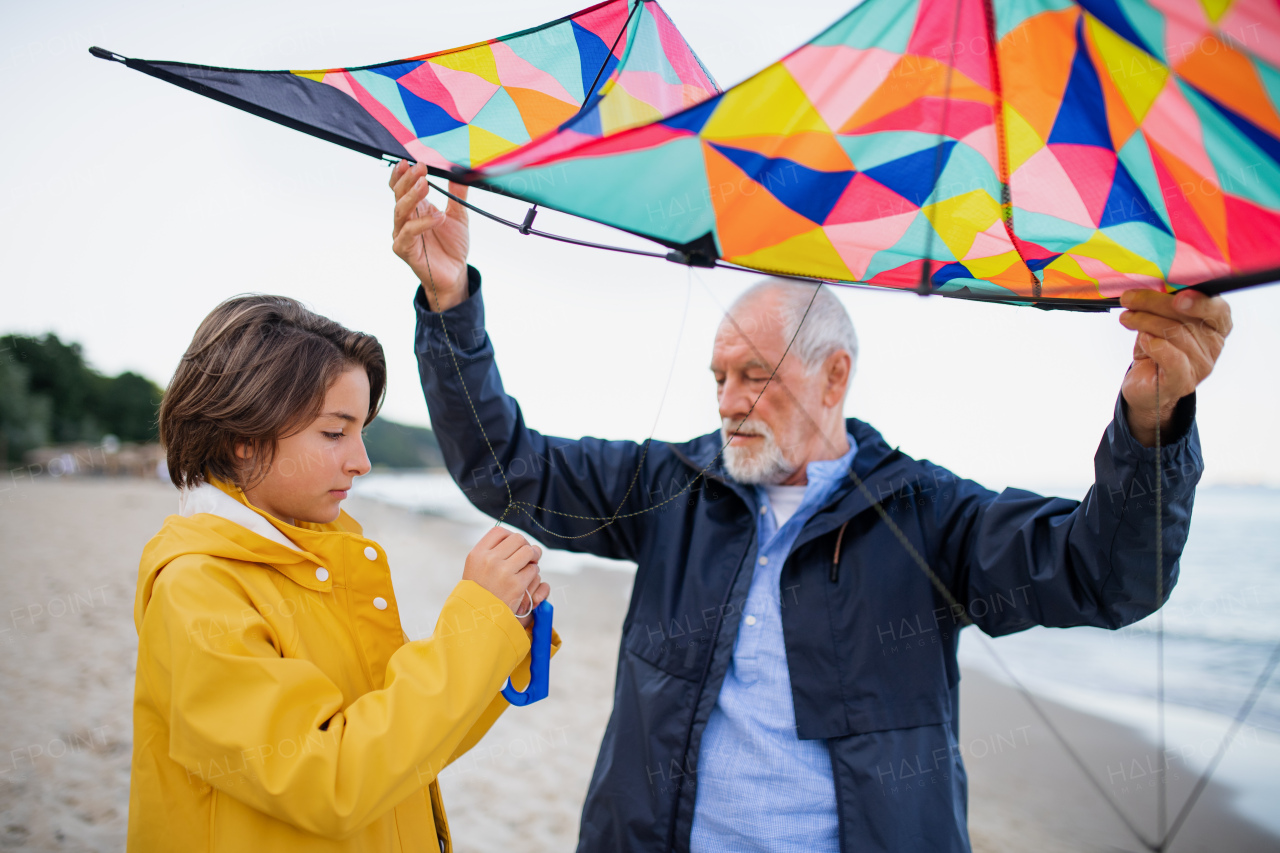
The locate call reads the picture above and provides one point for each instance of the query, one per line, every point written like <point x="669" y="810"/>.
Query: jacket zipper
<point x="835" y="559"/>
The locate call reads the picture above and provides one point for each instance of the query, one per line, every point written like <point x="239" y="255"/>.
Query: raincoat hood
<point x="215" y="519"/>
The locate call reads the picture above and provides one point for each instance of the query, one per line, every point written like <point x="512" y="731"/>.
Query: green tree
<point x="49" y="394"/>
<point x="129" y="407"/>
<point x="25" y="418"/>
<point x="393" y="445"/>
<point x="57" y="371"/>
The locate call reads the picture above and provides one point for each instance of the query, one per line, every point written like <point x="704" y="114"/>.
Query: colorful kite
<point x="1040" y="152"/>
<point x="532" y="93"/>
<point x="1100" y="146"/>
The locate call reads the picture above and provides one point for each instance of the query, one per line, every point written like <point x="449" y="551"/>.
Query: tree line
<point x="49" y="395"/>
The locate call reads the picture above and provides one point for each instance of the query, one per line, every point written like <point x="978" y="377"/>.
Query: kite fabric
<point x="535" y="92"/>
<point x="1043" y="152"/>
<point x="1100" y="146"/>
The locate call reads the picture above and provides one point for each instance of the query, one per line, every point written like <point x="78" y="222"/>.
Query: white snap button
<point x="371" y="552"/>
<point x="764" y="561"/>
<point x="322" y="574"/>
<point x="751" y="620"/>
<point x="380" y="603"/>
<point x="763" y="510"/>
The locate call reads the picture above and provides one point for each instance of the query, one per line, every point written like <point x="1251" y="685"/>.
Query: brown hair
<point x="257" y="371"/>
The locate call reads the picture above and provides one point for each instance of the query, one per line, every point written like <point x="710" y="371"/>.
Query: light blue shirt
<point x="761" y="788"/>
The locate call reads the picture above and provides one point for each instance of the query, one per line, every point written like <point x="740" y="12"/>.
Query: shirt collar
<point x="827" y="471"/>
<point x="825" y="477"/>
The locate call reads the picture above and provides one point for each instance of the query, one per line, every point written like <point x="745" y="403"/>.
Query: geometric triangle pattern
<point x="1045" y="151"/>
<point x="523" y="95"/>
<point x="1016" y="150"/>
<point x="516" y="99"/>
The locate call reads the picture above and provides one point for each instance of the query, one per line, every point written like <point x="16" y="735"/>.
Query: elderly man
<point x="789" y="656"/>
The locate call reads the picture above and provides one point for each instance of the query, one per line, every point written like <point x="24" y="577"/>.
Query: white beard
<point x="765" y="465"/>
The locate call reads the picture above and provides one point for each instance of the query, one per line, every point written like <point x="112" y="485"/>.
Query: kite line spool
<point x="539" y="663"/>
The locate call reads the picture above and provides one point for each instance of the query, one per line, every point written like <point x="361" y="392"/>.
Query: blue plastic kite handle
<point x="540" y="665"/>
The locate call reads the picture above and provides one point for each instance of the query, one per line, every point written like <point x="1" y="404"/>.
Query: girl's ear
<point x="243" y="450"/>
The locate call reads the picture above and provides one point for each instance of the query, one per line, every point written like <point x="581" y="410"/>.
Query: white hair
<point x="766" y="467"/>
<point x="826" y="329"/>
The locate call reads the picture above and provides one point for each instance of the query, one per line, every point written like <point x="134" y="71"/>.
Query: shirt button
<point x="322" y="574"/>
<point x="751" y="620"/>
<point x="764" y="509"/>
<point x="380" y="603"/>
<point x="371" y="552"/>
<point x="764" y="561"/>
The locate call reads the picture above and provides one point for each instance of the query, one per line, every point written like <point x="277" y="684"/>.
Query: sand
<point x="70" y="551"/>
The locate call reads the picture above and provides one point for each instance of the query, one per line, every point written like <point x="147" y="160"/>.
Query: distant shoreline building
<point x="108" y="458"/>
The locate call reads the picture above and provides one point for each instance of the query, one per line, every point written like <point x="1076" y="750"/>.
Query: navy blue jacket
<point x="870" y="638"/>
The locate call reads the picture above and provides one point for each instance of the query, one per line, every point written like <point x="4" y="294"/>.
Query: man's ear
<point x="837" y="370"/>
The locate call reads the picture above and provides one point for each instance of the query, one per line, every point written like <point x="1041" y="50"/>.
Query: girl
<point x="278" y="703"/>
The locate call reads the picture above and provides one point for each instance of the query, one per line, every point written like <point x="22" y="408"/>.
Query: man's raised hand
<point x="1182" y="334"/>
<point x="433" y="243"/>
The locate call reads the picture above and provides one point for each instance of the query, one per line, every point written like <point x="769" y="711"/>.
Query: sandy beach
<point x="70" y="551"/>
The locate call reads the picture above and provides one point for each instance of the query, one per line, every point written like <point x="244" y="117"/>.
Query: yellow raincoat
<point x="278" y="703"/>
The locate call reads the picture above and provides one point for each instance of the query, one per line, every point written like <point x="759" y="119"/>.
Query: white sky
<point x="131" y="207"/>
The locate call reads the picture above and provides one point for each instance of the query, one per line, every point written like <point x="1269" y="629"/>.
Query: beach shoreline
<point x="71" y="550"/>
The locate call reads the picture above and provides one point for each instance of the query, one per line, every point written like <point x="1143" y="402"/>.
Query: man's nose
<point x="735" y="399"/>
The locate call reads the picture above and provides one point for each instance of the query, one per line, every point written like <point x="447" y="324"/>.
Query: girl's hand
<point x="432" y="242"/>
<point x="539" y="594"/>
<point x="506" y="564"/>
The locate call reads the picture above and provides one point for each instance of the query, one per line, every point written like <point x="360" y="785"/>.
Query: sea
<point x="1220" y="628"/>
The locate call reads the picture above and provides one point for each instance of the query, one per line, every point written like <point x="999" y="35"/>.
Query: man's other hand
<point x="433" y="243"/>
<point x="1182" y="335"/>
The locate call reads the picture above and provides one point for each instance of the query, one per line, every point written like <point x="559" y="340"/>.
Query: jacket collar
<point x="217" y="500"/>
<point x="703" y="454"/>
<point x="309" y="545"/>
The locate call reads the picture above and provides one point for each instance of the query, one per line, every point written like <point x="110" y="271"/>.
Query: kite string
<point x="1236" y="725"/>
<point x="1099" y="304"/>
<point x="524" y="506"/>
<point x="671" y="372"/>
<point x="1164" y="835"/>
<point x="960" y="613"/>
<point x="454" y="356"/>
<point x="1162" y="762"/>
<point x="701" y="473"/>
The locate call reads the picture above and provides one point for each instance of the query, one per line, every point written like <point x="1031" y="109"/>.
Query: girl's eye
<point x="333" y="435"/>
